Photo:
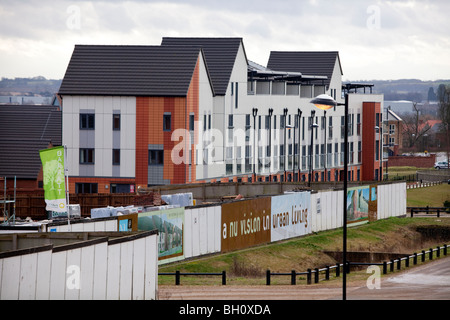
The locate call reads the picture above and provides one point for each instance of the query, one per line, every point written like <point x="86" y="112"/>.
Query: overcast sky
<point x="375" y="39"/>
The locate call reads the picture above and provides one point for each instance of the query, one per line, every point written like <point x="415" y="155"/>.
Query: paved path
<point x="427" y="282"/>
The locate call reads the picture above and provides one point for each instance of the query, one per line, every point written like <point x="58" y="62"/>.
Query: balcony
<point x="283" y="88"/>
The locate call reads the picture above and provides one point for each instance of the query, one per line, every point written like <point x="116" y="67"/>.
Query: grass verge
<point x="431" y="196"/>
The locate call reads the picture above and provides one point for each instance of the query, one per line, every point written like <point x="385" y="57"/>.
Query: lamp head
<point x="324" y="102"/>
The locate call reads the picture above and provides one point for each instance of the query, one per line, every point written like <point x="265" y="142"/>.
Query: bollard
<point x="293" y="277"/>
<point x="392" y="265"/>
<point x="412" y="212"/>
<point x="224" y="278"/>
<point x="384" y="267"/>
<point x="308" y="277"/>
<point x="338" y="270"/>
<point x="316" y="275"/>
<point x="407" y="262"/>
<point x="431" y="253"/>
<point x="438" y="252"/>
<point x="327" y="273"/>
<point x="445" y="249"/>
<point x="268" y="277"/>
<point x="399" y="264"/>
<point x="415" y="258"/>
<point x="423" y="255"/>
<point x="177" y="278"/>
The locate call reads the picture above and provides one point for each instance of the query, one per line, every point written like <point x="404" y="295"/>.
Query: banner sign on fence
<point x="54" y="179"/>
<point x="169" y="223"/>
<point x="361" y="203"/>
<point x="245" y="223"/>
<point x="291" y="215"/>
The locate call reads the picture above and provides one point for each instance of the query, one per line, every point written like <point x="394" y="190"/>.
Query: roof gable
<point x="130" y="70"/>
<point x="220" y="56"/>
<point x="319" y="63"/>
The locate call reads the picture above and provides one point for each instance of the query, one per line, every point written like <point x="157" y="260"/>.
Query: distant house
<point x="393" y="136"/>
<point x="24" y="130"/>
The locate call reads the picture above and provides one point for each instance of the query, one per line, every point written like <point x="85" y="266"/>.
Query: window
<point x="330" y="127"/>
<point x="191" y="122"/>
<point x="236" y="96"/>
<point x="247" y="127"/>
<point x="116" y="157"/>
<point x="391" y="129"/>
<point x="259" y="127"/>
<point x="303" y="128"/>
<point x="275" y="126"/>
<point x="87" y="121"/>
<point x="377" y="150"/>
<point x="87" y="156"/>
<point x="155" y="157"/>
<point x="86" y="188"/>
<point x="358" y="124"/>
<point x="167" y="122"/>
<point x="116" y="121"/>
<point x="230" y="121"/>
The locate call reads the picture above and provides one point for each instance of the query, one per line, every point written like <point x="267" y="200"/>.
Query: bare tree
<point x="443" y="96"/>
<point x="414" y="128"/>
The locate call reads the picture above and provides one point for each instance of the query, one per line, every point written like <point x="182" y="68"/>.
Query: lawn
<point x="403" y="173"/>
<point x="429" y="196"/>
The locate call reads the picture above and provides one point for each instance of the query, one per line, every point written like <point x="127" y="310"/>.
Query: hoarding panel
<point x="290" y="215"/>
<point x="245" y="223"/>
<point x="169" y="223"/>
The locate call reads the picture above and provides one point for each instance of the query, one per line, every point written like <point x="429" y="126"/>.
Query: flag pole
<point x="66" y="176"/>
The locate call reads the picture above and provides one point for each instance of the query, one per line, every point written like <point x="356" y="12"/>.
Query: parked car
<point x="441" y="165"/>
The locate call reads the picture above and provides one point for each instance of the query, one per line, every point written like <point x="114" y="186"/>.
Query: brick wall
<point x="420" y="162"/>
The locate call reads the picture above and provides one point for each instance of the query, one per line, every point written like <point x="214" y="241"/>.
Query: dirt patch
<point x="434" y="233"/>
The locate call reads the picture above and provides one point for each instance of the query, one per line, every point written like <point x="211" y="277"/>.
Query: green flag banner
<point x="54" y="178"/>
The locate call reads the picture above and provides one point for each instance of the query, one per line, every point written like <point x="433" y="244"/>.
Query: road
<point x="430" y="281"/>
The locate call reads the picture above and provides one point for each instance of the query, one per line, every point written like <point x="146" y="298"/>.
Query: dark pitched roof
<point x="130" y="70"/>
<point x="24" y="130"/>
<point x="220" y="56"/>
<point x="320" y="63"/>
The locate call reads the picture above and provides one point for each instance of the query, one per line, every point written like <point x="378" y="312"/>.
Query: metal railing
<point x="178" y="275"/>
<point x="428" y="210"/>
<point x="314" y="274"/>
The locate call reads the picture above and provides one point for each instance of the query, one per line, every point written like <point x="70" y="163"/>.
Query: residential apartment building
<point x="198" y="110"/>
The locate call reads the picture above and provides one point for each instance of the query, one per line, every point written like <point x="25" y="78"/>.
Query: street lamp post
<point x="255" y="113"/>
<point x="270" y="142"/>
<point x="326" y="102"/>
<point x="285" y="111"/>
<point x="325" y="143"/>
<point x="299" y="115"/>
<point x="311" y="149"/>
